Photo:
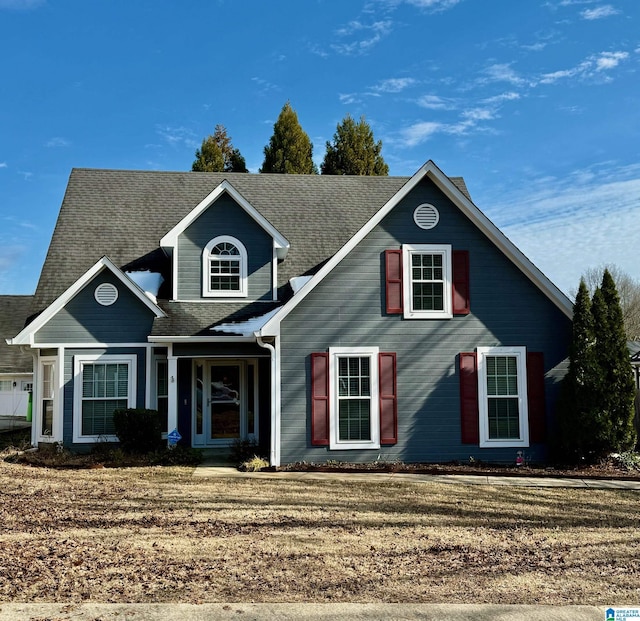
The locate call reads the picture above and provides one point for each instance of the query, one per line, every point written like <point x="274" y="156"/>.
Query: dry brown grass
<point x="159" y="535"/>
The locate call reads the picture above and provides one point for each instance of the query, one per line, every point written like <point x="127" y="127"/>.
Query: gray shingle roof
<point x="124" y="214"/>
<point x="14" y="310"/>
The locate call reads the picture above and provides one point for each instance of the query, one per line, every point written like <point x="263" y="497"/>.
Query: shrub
<point x="242" y="450"/>
<point x="255" y="464"/>
<point x="139" y="430"/>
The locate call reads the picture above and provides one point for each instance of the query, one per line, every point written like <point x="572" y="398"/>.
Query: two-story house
<point x="327" y="317"/>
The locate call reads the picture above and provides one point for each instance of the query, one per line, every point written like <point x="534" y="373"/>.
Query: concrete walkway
<point x="286" y="612"/>
<point x="215" y="470"/>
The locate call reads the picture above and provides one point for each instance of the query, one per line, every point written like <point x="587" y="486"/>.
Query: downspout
<point x="274" y="454"/>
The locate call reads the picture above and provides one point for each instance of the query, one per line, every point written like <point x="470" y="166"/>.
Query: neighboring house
<point x="326" y="317"/>
<point x="16" y="364"/>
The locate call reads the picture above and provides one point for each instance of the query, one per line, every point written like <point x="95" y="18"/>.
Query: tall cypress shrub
<point x="595" y="409"/>
<point x="616" y="370"/>
<point x="577" y="412"/>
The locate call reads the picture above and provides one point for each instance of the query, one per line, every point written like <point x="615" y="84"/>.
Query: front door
<point x="223" y="408"/>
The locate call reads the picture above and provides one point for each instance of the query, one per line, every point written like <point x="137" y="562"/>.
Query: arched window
<point x="224" y="268"/>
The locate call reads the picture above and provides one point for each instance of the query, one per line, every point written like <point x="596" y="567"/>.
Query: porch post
<point x="172" y="396"/>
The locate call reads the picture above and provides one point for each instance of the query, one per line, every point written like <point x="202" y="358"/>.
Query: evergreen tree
<point x="217" y="154"/>
<point x="289" y="150"/>
<point x="576" y="408"/>
<point x="617" y="373"/>
<point x="595" y="410"/>
<point x="354" y="151"/>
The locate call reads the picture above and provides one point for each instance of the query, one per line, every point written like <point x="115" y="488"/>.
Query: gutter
<point x="274" y="350"/>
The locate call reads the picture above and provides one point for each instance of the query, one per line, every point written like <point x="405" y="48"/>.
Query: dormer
<point x="224" y="250"/>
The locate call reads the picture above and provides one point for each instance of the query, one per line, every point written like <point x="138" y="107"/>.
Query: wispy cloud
<point x="176" y="136"/>
<point x="587" y="68"/>
<point x="57" y="142"/>
<point x="264" y="85"/>
<point x="373" y="34"/>
<point x="559" y="223"/>
<point x="420" y="132"/>
<point x="471" y="118"/>
<point x="348" y="98"/>
<point x="600" y="12"/>
<point x="20" y="5"/>
<point x="3" y="165"/>
<point x="432" y="6"/>
<point x="393" y="85"/>
<point x="433" y="102"/>
<point x="502" y="72"/>
<point x="498" y="99"/>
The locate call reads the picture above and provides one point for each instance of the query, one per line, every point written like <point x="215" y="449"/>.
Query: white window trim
<point x="521" y="354"/>
<point x="78" y="362"/>
<point x="207" y="292"/>
<point x="38" y="398"/>
<point x="334" y="436"/>
<point x="445" y="251"/>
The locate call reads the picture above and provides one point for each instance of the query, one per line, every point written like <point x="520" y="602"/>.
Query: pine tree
<point x="290" y="149"/>
<point x="617" y="373"/>
<point x="354" y="151"/>
<point x="217" y="154"/>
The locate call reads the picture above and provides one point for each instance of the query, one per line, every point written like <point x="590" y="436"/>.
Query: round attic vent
<point x="106" y="294"/>
<point x="426" y="216"/>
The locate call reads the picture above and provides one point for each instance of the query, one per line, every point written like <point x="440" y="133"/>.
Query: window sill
<point x="353" y="446"/>
<point x="504" y="443"/>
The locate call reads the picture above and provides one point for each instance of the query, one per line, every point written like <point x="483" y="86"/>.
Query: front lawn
<point x="156" y="534"/>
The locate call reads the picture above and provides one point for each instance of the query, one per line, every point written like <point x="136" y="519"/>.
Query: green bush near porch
<point x="139" y="430"/>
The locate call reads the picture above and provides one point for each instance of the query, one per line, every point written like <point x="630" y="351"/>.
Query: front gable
<point x="224" y="249"/>
<point x="103" y="306"/>
<point x="431" y="181"/>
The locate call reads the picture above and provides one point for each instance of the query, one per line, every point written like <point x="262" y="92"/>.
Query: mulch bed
<point x="605" y="470"/>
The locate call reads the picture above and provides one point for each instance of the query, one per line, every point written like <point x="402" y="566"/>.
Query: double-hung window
<point x="502" y="393"/>
<point x="224" y="268"/>
<point x="353" y="390"/>
<point x="103" y="384"/>
<point x="427" y="281"/>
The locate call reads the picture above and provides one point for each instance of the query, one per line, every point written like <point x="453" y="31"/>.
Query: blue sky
<point x="535" y="102"/>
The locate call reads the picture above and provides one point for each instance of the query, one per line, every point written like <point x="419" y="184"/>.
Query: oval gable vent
<point x="106" y="294"/>
<point x="426" y="216"/>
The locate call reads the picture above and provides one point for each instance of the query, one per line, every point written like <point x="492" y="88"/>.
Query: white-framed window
<point x="224" y="268"/>
<point x="427" y="281"/>
<point x="162" y="390"/>
<point x="6" y="385"/>
<point x="47" y="397"/>
<point x="502" y="395"/>
<point x="102" y="384"/>
<point x="353" y="394"/>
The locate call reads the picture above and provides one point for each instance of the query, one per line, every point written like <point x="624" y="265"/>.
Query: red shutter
<point x="535" y="396"/>
<point x="388" y="398"/>
<point x="469" y="417"/>
<point x="393" y="276"/>
<point x="460" y="260"/>
<point x="320" y="399"/>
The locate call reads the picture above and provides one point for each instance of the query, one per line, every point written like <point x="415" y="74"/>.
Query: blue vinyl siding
<point x="348" y="309"/>
<point x="225" y="217"/>
<point x="68" y="396"/>
<point x="83" y="320"/>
